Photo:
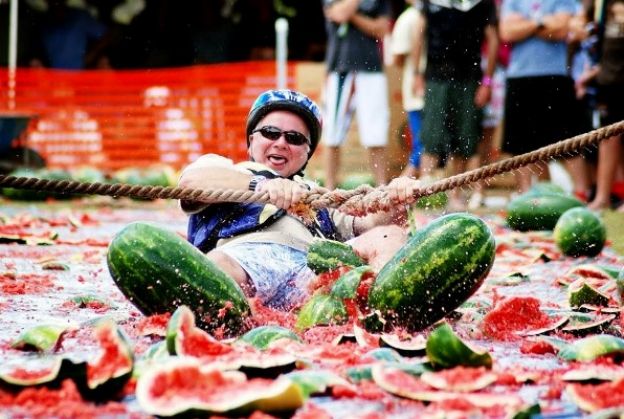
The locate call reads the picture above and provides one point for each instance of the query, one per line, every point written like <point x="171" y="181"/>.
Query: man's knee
<point x="379" y="244"/>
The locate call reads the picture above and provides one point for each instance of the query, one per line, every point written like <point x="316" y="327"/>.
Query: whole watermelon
<point x="580" y="232"/>
<point x="439" y="267"/>
<point x="538" y="212"/>
<point x="158" y="271"/>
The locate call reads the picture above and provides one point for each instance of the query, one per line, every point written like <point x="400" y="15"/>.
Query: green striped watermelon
<point x="438" y="268"/>
<point x="580" y="232"/>
<point x="159" y="271"/>
<point x="538" y="212"/>
<point x="325" y="255"/>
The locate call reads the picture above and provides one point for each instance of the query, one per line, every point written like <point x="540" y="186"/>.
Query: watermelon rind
<point x="321" y="310"/>
<point x="346" y="286"/>
<point x="263" y="337"/>
<point x="40" y="338"/>
<point x="592" y="347"/>
<point x="446" y="350"/>
<point x="438" y="381"/>
<point x="280" y="395"/>
<point x="181" y="329"/>
<point x="314" y="382"/>
<point x="47" y="370"/>
<point x="580" y="292"/>
<point x="104" y="378"/>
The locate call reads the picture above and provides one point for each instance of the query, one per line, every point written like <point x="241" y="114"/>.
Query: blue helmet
<point x="288" y="100"/>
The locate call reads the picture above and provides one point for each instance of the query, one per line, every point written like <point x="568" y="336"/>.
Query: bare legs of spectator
<point x="377" y="159"/>
<point x="483" y="157"/>
<point x="410" y="171"/>
<point x="609" y="156"/>
<point x="332" y="163"/>
<point x="524" y="175"/>
<point x="457" y="165"/>
<point x="579" y="172"/>
<point x="428" y="163"/>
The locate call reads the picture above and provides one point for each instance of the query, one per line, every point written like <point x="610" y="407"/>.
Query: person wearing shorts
<point x="540" y="96"/>
<point x="403" y="34"/>
<point x="609" y="77"/>
<point x="355" y="82"/>
<point x="263" y="247"/>
<point x="455" y="91"/>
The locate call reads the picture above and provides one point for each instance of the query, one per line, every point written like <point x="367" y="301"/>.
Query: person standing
<point x="282" y="132"/>
<point x="356" y="82"/>
<point x="71" y="39"/>
<point x="540" y="93"/>
<point x="403" y="35"/>
<point x="456" y="89"/>
<point x="609" y="76"/>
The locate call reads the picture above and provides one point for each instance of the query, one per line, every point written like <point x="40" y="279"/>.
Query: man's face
<point x="278" y="154"/>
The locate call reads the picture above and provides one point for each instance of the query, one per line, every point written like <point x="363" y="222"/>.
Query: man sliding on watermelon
<point x="260" y="245"/>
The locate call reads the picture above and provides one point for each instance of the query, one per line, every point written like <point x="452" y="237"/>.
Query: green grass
<point x="614" y="222"/>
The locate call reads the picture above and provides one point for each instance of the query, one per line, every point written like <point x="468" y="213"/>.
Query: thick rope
<point x="362" y="200"/>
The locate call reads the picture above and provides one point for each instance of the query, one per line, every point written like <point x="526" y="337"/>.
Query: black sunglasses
<point x="273" y="133"/>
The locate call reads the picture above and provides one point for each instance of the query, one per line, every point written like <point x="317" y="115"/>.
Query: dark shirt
<point x="66" y="42"/>
<point x="612" y="59"/>
<point x="454" y="39"/>
<point x="348" y="48"/>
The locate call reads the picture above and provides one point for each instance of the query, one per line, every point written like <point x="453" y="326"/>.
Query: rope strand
<point x="361" y="200"/>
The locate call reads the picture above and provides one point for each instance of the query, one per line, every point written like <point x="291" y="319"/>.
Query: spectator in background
<point x="540" y="97"/>
<point x="609" y="77"/>
<point x="356" y="82"/>
<point x="70" y="38"/>
<point x="492" y="112"/>
<point x="455" y="91"/>
<point x="403" y="35"/>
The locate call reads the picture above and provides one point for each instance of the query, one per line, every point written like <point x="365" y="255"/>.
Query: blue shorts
<point x="279" y="273"/>
<point x="414" y="120"/>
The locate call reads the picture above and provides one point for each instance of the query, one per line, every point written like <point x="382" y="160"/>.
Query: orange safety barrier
<point x="112" y="119"/>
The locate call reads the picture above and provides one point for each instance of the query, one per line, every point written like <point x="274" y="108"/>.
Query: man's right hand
<point x="283" y="193"/>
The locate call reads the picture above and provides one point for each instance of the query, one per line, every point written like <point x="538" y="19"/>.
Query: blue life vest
<point x="220" y="221"/>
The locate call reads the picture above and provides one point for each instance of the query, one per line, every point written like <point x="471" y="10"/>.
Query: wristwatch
<point x="255" y="180"/>
<point x="540" y="25"/>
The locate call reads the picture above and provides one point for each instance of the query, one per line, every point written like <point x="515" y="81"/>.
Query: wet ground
<point x="54" y="254"/>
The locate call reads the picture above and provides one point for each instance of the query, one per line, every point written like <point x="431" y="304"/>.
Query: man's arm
<point x="214" y="172"/>
<point x="377" y="27"/>
<point x="418" y="42"/>
<point x="484" y="92"/>
<point x="555" y="27"/>
<point x="515" y="27"/>
<point x="341" y="11"/>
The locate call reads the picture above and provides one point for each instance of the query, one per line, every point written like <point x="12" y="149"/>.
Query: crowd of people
<point x="535" y="72"/>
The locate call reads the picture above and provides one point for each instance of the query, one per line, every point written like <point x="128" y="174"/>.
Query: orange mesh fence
<point x="112" y="119"/>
